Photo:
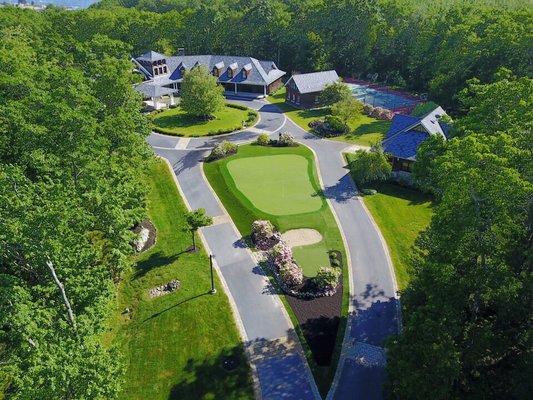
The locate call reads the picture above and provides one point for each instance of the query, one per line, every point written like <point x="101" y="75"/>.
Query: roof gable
<point x="314" y="81"/>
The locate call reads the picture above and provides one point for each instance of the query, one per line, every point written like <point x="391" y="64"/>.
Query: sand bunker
<point x="301" y="237"/>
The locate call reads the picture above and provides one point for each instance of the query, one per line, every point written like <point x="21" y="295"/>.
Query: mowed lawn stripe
<point x="258" y="179"/>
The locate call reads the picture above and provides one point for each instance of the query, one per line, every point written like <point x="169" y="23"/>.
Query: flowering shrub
<point x="328" y="278"/>
<point x="291" y="274"/>
<point x="222" y="150"/>
<point x="376" y="112"/>
<point x="286" y="139"/>
<point x="281" y="254"/>
<point x="367" y="109"/>
<point x="263" y="140"/>
<point x="264" y="235"/>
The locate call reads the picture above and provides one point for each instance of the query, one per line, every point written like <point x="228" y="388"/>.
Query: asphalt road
<point x="271" y="342"/>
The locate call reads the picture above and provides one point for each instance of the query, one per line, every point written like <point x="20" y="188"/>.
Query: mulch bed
<point x="151" y="233"/>
<point x="319" y="320"/>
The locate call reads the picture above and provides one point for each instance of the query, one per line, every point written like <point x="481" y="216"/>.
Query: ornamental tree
<point x="334" y="93"/>
<point x="201" y="95"/>
<point x="291" y="274"/>
<point x="327" y="278"/>
<point x="370" y="166"/>
<point x="347" y="109"/>
<point x="194" y="221"/>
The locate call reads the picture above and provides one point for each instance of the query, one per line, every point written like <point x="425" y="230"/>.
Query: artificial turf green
<point x="311" y="257"/>
<point x="174" y="345"/>
<point x="258" y="179"/>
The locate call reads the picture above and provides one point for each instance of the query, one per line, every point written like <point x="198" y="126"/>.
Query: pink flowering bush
<point x="367" y="109"/>
<point x="291" y="274"/>
<point x="281" y="254"/>
<point x="264" y="235"/>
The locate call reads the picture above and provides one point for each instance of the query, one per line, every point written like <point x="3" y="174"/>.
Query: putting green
<point x="311" y="257"/>
<point x="277" y="185"/>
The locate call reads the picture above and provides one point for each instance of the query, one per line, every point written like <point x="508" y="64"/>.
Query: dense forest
<point x="72" y="143"/>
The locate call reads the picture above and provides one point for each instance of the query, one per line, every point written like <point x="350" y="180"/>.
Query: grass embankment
<point x="401" y="214"/>
<point x="174" y="345"/>
<point x="231" y="118"/>
<point x="244" y="212"/>
<point x="364" y="131"/>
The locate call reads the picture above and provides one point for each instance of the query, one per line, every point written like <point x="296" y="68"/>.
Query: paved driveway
<point x="272" y="345"/>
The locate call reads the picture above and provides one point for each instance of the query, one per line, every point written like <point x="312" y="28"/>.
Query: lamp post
<point x="213" y="290"/>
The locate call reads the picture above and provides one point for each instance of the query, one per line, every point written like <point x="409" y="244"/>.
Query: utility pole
<point x="213" y="290"/>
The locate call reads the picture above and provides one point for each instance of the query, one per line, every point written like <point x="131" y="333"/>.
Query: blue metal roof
<point x="405" y="145"/>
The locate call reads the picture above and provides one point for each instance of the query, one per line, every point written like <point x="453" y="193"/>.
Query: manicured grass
<point x="243" y="212"/>
<point x="401" y="214"/>
<point x="174" y="345"/>
<point x="364" y="131"/>
<point x="176" y="122"/>
<point x="291" y="195"/>
<point x="312" y="257"/>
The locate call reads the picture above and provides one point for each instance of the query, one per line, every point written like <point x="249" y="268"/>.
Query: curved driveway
<point x="273" y="347"/>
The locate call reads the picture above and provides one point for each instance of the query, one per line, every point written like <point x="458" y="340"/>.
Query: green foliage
<point x="347" y="109"/>
<point x="335" y="124"/>
<point x="263" y="140"/>
<point x="423" y="108"/>
<point x="223" y="149"/>
<point x="467" y="310"/>
<point x="334" y="93"/>
<point x="72" y="139"/>
<point x="327" y="277"/>
<point x="201" y="95"/>
<point x="426" y="156"/>
<point x="370" y="166"/>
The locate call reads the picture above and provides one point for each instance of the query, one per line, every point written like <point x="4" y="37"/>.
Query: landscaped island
<point x="280" y="185"/>
<point x="229" y="119"/>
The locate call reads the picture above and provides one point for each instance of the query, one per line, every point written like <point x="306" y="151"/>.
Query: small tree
<point x="334" y="93"/>
<point x="194" y="221"/>
<point x="370" y="166"/>
<point x="201" y="95"/>
<point x="347" y="109"/>
<point x="263" y="140"/>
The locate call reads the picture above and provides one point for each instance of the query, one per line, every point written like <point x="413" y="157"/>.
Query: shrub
<point x="327" y="278"/>
<point x="237" y="106"/>
<point x="264" y="235"/>
<point x="368" y="192"/>
<point x="336" y="125"/>
<point x="263" y="140"/>
<point x="222" y="150"/>
<point x="368" y="109"/>
<point x="376" y="112"/>
<point x="291" y="274"/>
<point x="286" y="139"/>
<point x="281" y="254"/>
<point x="336" y="263"/>
<point x="252" y="117"/>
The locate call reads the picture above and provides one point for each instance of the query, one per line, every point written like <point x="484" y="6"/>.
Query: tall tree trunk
<point x="63" y="293"/>
<point x="193" y="242"/>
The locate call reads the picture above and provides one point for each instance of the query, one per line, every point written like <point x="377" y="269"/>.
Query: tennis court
<point x="382" y="97"/>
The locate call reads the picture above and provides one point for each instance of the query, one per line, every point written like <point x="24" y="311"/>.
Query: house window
<point x="293" y="97"/>
<point x="317" y="99"/>
<point x="244" y="74"/>
<point x="298" y="99"/>
<point x="406" y="166"/>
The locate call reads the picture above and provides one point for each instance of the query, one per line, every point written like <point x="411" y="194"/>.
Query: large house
<point x="303" y="90"/>
<point x="407" y="132"/>
<point x="163" y="74"/>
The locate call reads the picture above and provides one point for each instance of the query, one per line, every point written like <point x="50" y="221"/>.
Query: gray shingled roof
<point x="314" y="82"/>
<point x="151" y="56"/>
<point x="153" y="89"/>
<point x="263" y="72"/>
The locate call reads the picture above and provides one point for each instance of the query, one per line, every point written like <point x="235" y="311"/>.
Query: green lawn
<point x="174" y="344"/>
<point x="244" y="212"/>
<point x="293" y="194"/>
<point x="364" y="131"/>
<point x="401" y="214"/>
<point x="175" y="121"/>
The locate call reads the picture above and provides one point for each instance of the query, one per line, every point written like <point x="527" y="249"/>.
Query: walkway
<point x="271" y="341"/>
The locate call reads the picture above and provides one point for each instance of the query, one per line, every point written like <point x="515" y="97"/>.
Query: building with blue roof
<point x="407" y="132"/>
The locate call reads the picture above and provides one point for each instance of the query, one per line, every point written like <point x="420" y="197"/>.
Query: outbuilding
<point x="303" y="90"/>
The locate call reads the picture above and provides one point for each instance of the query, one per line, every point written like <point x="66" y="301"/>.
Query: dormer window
<point x="246" y="71"/>
<point x="215" y="71"/>
<point x="231" y="70"/>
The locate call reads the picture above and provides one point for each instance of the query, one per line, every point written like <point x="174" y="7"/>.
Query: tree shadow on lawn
<point x="155" y="260"/>
<point x="179" y="121"/>
<point x="392" y="189"/>
<point x="208" y="379"/>
<point x="342" y="191"/>
<point x="174" y="306"/>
